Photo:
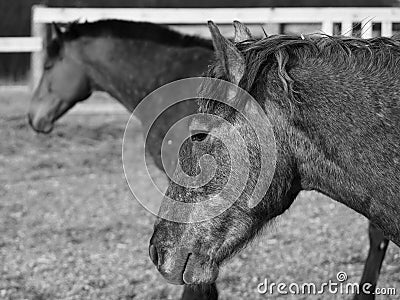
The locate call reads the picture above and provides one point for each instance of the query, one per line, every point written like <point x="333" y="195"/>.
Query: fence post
<point x="37" y="58"/>
<point x="327" y="27"/>
<point x="366" y="28"/>
<point x="347" y="28"/>
<point x="386" y="29"/>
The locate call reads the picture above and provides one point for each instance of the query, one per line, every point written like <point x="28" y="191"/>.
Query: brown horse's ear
<point x="56" y="31"/>
<point x="242" y="33"/>
<point x="230" y="58"/>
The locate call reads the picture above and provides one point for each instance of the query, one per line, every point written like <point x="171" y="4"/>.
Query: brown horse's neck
<point x="130" y="69"/>
<point x="346" y="150"/>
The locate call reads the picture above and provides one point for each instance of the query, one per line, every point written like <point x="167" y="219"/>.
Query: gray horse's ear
<point x="229" y="57"/>
<point x="242" y="33"/>
<point x="56" y="31"/>
<point x="265" y="33"/>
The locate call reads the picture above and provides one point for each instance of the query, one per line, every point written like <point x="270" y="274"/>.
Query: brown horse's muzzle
<point x="40" y="125"/>
<point x="44" y="111"/>
<point x="180" y="264"/>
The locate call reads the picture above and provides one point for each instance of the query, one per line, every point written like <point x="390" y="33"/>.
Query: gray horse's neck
<point x="129" y="70"/>
<point x="354" y="160"/>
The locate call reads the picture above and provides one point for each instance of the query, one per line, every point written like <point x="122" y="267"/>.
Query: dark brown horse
<point x="334" y="107"/>
<point x="128" y="60"/>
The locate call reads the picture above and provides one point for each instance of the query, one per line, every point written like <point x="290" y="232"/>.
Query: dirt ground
<point x="71" y="229"/>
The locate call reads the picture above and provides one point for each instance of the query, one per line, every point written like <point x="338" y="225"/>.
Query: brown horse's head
<point x="64" y="83"/>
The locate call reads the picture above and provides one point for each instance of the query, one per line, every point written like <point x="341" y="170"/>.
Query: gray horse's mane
<point x="281" y="53"/>
<point x="285" y="51"/>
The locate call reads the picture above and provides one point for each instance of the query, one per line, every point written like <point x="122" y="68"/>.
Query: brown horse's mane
<point x="126" y="30"/>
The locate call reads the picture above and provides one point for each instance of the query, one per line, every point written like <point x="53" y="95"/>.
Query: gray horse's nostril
<point x="153" y="254"/>
<point x="30" y="120"/>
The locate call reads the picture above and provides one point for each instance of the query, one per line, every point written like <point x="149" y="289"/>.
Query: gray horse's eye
<point x="199" y="137"/>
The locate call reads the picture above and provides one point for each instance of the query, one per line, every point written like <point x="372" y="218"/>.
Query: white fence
<point x="327" y="17"/>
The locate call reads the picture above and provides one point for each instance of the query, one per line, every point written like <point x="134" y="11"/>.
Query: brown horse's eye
<point x="47" y="66"/>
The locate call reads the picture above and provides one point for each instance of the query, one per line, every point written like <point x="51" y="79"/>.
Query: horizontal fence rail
<point x="218" y="15"/>
<point x="189" y="20"/>
<point x="20" y="44"/>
